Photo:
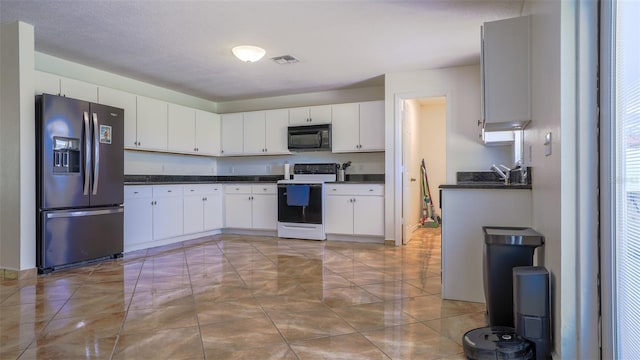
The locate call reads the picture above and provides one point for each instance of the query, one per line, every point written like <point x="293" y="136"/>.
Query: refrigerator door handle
<point x="87" y="154"/>
<point x="68" y="214"/>
<point x="96" y="146"/>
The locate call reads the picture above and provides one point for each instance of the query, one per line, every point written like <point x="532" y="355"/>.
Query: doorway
<point x="423" y="137"/>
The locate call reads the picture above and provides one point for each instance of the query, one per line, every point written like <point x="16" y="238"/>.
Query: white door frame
<point x="399" y="170"/>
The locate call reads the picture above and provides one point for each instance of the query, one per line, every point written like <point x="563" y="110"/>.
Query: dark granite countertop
<point x="487" y="185"/>
<point x="212" y="179"/>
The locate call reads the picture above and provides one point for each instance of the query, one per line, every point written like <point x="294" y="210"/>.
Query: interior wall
<point x="156" y="163"/>
<point x="433" y="144"/>
<point x="362" y="163"/>
<point x="464" y="151"/>
<point x="306" y="99"/>
<point x="548" y="199"/>
<point x="17" y="148"/>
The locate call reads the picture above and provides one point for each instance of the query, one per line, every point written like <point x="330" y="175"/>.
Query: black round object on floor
<point x="496" y="342"/>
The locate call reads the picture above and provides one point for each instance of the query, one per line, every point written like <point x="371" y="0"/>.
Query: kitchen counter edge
<point x="487" y="186"/>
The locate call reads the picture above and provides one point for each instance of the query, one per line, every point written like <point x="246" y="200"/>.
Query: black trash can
<point x="496" y="342"/>
<point x="504" y="249"/>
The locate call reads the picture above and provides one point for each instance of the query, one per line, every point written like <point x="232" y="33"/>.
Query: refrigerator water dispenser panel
<point x="66" y="155"/>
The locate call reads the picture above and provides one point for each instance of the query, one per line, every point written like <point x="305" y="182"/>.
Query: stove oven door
<point x="310" y="214"/>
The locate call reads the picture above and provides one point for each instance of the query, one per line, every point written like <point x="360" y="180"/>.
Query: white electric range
<point x="301" y="201"/>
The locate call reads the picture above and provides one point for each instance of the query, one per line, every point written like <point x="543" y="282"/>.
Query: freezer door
<point x="63" y="128"/>
<point x="107" y="178"/>
<point x="71" y="236"/>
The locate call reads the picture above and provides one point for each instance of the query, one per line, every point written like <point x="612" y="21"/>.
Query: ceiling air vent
<point x="285" y="59"/>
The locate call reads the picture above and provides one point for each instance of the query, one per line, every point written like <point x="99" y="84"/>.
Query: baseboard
<point x="10" y="274"/>
<point x="390" y="242"/>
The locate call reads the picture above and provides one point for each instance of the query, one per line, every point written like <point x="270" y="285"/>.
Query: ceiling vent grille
<point x="285" y="59"/>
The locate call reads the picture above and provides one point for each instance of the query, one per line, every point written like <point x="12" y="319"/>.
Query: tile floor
<point x="241" y="297"/>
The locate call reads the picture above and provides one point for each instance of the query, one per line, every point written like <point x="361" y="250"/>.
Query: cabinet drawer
<point x="237" y="189"/>
<point x="137" y="191"/>
<point x="200" y="189"/>
<point x="167" y="191"/>
<point x="355" y="189"/>
<point x="264" y="189"/>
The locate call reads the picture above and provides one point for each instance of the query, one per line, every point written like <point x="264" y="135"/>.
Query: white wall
<point x="546" y="117"/>
<point x="152" y="163"/>
<point x="307" y="99"/>
<point x="433" y="145"/>
<point x="461" y="86"/>
<point x="362" y="163"/>
<point x="17" y="148"/>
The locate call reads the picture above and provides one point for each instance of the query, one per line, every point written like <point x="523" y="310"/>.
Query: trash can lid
<point x="503" y="235"/>
<point x="495" y="342"/>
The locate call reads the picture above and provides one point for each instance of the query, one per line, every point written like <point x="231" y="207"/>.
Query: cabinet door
<point x="193" y="214"/>
<point x="299" y="116"/>
<point x="320" y="114"/>
<point x="213" y="210"/>
<point x="237" y="211"/>
<point x="276" y="123"/>
<point x="339" y="214"/>
<point x="265" y="212"/>
<point x="138" y="216"/>
<point x="181" y="129"/>
<point x="152" y="124"/>
<point x="126" y="101"/>
<point x="207" y="133"/>
<point x="505" y="61"/>
<point x="45" y="83"/>
<point x="231" y="140"/>
<point x="254" y="132"/>
<point x="167" y="217"/>
<point x="371" y="125"/>
<point x="345" y="128"/>
<point x="78" y="90"/>
<point x="368" y="215"/>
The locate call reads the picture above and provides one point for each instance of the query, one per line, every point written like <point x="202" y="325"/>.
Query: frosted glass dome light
<point x="248" y="53"/>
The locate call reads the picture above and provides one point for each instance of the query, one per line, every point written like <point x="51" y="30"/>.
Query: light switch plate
<point x="547" y="144"/>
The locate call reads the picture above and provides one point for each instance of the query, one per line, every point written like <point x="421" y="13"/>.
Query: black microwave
<point x="309" y="138"/>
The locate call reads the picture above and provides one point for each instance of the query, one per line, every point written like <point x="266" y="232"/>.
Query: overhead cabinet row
<point x="155" y="125"/>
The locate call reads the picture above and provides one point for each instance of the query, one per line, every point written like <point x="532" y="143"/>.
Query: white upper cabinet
<point x="45" y="83"/>
<point x="207" y="133"/>
<point x="126" y="101"/>
<point x="181" y="129"/>
<point x="310" y="115"/>
<point x="232" y="134"/>
<point x="77" y="89"/>
<point x="254" y="132"/>
<point x="358" y="127"/>
<point x="506" y="78"/>
<point x="152" y="124"/>
<point x="276" y="123"/>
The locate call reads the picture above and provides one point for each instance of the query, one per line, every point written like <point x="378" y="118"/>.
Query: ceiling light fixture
<point x="248" y="53"/>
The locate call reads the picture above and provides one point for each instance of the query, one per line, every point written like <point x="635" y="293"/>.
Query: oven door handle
<point x="310" y="185"/>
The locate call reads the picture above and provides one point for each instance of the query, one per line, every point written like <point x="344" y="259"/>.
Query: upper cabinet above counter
<point x="506" y="74"/>
<point x="160" y="126"/>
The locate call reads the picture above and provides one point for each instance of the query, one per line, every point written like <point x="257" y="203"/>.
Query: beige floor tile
<point x="178" y="344"/>
<point x="80" y="330"/>
<point x="304" y="325"/>
<point x="347" y="347"/>
<point x="340" y="297"/>
<point x="154" y="298"/>
<point x="79" y="306"/>
<point x="272" y="352"/>
<point x="168" y="317"/>
<point x="413" y="341"/>
<point x="222" y="293"/>
<point x="393" y="290"/>
<point x="216" y="312"/>
<point x="101" y="348"/>
<point x="374" y="316"/>
<point x="456" y="326"/>
<point x="239" y="335"/>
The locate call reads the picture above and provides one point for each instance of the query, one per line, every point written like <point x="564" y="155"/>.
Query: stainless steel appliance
<point x="301" y="201"/>
<point x="309" y="138"/>
<point x="79" y="187"/>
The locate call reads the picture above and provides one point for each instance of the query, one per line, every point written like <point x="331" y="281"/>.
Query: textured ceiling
<point x="186" y="45"/>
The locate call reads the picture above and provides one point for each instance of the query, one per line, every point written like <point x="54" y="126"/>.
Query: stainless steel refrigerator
<point x="80" y="175"/>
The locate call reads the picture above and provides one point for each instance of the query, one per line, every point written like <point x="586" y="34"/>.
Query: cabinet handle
<point x="479" y="122"/>
<point x="139" y="143"/>
<point x="168" y="190"/>
<point x="372" y="189"/>
<point x="135" y="192"/>
<point x="192" y="190"/>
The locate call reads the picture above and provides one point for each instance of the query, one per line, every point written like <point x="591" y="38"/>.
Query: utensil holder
<point x="341" y="175"/>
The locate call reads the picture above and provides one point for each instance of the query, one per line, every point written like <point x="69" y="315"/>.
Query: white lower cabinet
<point x="251" y="206"/>
<point x="138" y="215"/>
<point x="167" y="211"/>
<point x="202" y="208"/>
<point x="355" y="209"/>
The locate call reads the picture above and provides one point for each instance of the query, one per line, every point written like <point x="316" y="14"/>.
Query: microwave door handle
<point x="87" y="154"/>
<point x="319" y="135"/>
